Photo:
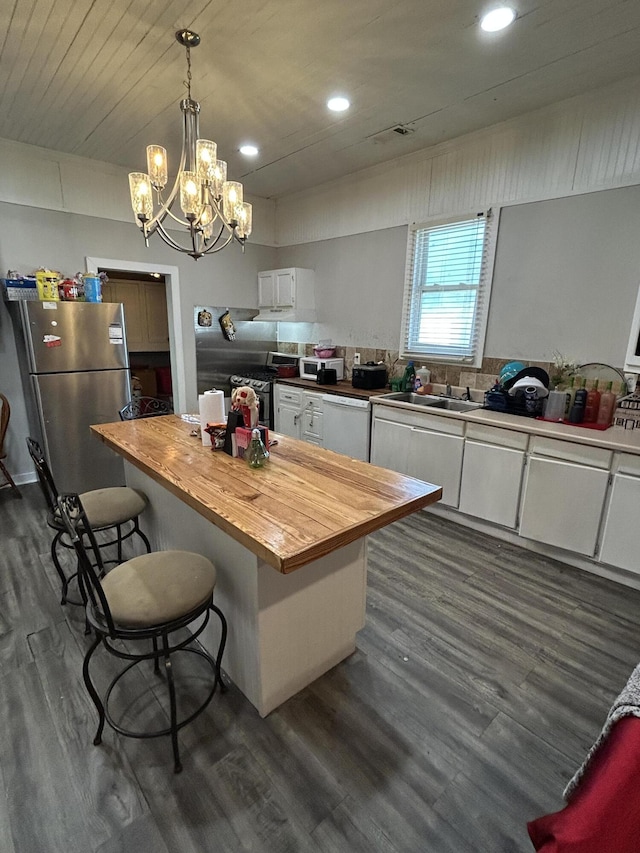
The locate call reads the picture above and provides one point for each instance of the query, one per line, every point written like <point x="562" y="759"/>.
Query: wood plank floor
<point x="482" y="677"/>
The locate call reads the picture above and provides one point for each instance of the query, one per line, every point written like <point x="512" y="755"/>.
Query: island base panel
<point x="284" y="630"/>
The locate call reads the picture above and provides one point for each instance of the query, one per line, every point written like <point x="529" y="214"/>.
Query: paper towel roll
<point x="211" y="405"/>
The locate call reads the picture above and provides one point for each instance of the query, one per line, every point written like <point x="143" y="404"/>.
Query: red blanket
<point x="603" y="814"/>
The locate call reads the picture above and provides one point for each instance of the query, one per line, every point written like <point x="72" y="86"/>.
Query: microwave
<point x="310" y="366"/>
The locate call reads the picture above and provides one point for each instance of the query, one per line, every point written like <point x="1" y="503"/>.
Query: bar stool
<point x="146" y="598"/>
<point x="109" y="509"/>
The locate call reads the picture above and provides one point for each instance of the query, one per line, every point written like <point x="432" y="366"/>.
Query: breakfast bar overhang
<point x="288" y="540"/>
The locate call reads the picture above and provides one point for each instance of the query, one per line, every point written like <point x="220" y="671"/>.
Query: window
<point x="449" y="268"/>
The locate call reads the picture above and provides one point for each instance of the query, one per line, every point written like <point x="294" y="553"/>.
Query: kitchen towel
<point x="211" y="406"/>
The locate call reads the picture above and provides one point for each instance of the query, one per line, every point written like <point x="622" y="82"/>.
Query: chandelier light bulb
<point x="206" y="159"/>
<point x="157" y="166"/>
<point x="231" y="198"/>
<point x="189" y="194"/>
<point x="497" y="19"/>
<point x="141" y="200"/>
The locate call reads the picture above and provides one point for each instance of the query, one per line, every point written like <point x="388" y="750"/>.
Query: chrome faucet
<point x="448" y="393"/>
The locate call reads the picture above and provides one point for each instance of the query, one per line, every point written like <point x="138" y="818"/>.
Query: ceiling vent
<point x="391" y="134"/>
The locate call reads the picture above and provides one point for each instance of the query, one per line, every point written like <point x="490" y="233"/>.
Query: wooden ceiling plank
<point x="33" y="59"/>
<point x="121" y="82"/>
<point x="75" y="68"/>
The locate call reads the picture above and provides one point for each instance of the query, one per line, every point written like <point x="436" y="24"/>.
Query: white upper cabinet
<point x="287" y="295"/>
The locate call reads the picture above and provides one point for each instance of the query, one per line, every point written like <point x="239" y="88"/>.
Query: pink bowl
<point x="324" y="353"/>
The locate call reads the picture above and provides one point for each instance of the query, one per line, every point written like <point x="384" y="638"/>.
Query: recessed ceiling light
<point x="248" y="150"/>
<point x="498" y="19"/>
<point x="338" y="105"/>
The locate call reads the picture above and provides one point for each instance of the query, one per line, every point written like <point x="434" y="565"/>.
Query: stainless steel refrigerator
<point x="75" y="372"/>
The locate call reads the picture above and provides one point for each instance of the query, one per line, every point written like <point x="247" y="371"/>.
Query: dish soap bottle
<point x="257" y="454"/>
<point x="409" y="378"/>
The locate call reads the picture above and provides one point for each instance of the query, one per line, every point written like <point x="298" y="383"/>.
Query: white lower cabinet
<point x="564" y="494"/>
<point x="312" y="418"/>
<point x="492" y="474"/>
<point x="424" y="446"/>
<point x="436" y="457"/>
<point x="619" y="545"/>
<point x="288" y="411"/>
<point x="299" y="414"/>
<point x="390" y="445"/>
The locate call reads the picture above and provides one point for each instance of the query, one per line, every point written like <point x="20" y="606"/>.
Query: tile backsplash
<point x="462" y="376"/>
<point x="477" y="378"/>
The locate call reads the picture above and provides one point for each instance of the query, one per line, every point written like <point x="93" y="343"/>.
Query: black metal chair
<point x="148" y="598"/>
<point x="110" y="509"/>
<point x="144" y="407"/>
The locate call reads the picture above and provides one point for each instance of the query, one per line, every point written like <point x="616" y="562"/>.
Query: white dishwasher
<point x="346" y="425"/>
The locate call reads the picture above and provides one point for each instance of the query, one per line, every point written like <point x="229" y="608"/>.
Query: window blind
<point x="446" y="292"/>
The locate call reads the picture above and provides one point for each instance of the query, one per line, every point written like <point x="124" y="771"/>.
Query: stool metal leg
<point x="92" y="690"/>
<point x="177" y="766"/>
<point x="223" y="643"/>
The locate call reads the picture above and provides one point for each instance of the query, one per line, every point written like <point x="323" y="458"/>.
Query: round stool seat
<point x="157" y="588"/>
<point x="111" y="506"/>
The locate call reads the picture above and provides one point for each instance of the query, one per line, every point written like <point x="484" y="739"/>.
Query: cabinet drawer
<point x="626" y="463"/>
<point x="422" y="420"/>
<point x="581" y="454"/>
<point x="497" y="435"/>
<point x="312" y="401"/>
<point x="286" y="395"/>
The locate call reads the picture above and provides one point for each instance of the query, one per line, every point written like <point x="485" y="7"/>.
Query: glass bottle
<point x="607" y="406"/>
<point x="257" y="454"/>
<point x="571" y="394"/>
<point x="592" y="404"/>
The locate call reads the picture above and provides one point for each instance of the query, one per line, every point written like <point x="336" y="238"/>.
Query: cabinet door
<point x="491" y="481"/>
<point x="437" y="458"/>
<point x="154" y="297"/>
<point x="312" y="424"/>
<point x="562" y="504"/>
<point x="288" y="420"/>
<point x="620" y="538"/>
<point x="390" y="445"/>
<point x="285" y="288"/>
<point x="134" y="315"/>
<point x="266" y="289"/>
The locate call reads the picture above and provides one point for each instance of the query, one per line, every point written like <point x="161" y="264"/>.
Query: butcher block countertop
<point x="305" y="503"/>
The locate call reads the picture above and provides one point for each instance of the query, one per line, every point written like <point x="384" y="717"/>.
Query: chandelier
<point x="213" y="209"/>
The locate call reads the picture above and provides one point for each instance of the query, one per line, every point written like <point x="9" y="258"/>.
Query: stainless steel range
<point x="262" y="379"/>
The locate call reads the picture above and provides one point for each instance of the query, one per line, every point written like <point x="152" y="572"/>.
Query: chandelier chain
<point x="188" y="49"/>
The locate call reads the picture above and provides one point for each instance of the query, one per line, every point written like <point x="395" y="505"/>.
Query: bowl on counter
<point x="324" y="352"/>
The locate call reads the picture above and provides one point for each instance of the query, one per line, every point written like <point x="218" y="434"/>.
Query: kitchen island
<point x="288" y="540"/>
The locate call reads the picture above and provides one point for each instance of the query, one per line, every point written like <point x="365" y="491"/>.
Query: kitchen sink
<point x="429" y="401"/>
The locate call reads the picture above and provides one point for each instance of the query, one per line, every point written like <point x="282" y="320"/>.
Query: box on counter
<point x="243" y="438"/>
<point x="15" y="289"/>
<point x="627" y="413"/>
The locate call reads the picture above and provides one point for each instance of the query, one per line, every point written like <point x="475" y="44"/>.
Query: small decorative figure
<point x="244" y="400"/>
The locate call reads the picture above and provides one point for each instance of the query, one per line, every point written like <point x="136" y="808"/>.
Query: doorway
<point x="135" y="270"/>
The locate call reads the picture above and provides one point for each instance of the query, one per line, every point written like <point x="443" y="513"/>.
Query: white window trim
<point x="491" y="240"/>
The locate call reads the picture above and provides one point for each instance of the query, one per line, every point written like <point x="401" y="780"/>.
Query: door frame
<point x="174" y="310"/>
